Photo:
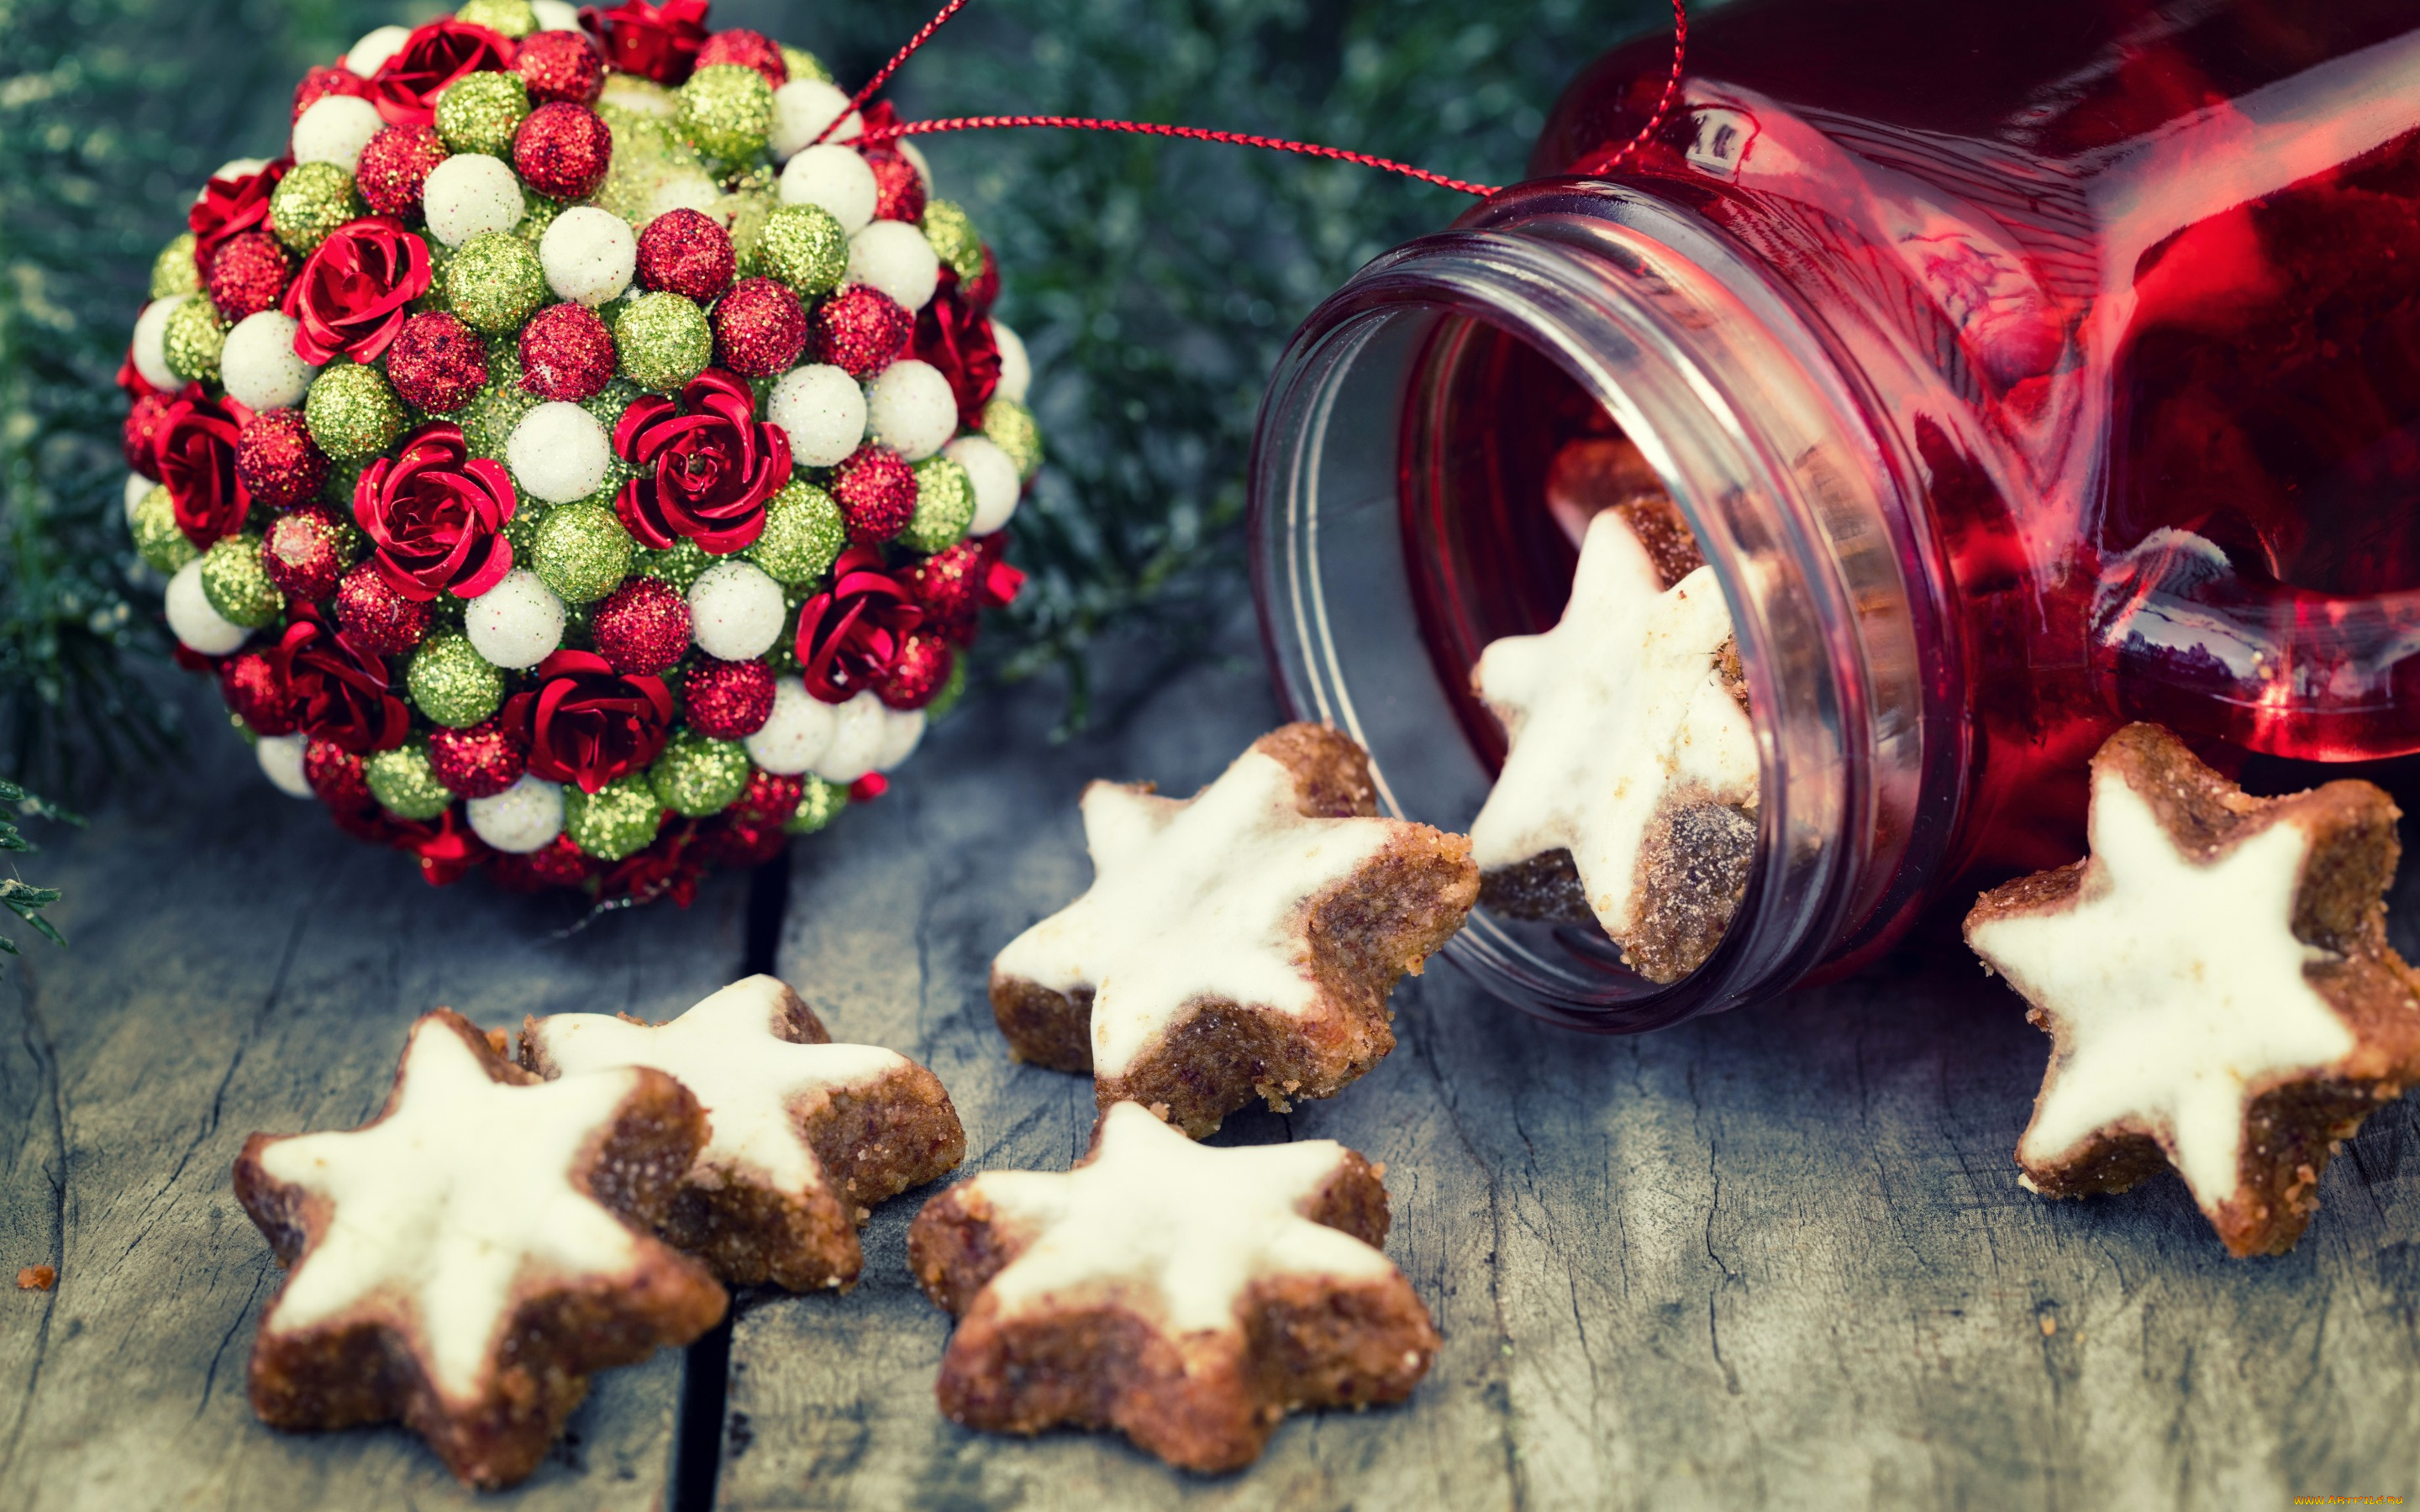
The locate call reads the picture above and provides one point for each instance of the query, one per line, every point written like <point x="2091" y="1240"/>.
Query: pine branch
<point x="22" y="898"/>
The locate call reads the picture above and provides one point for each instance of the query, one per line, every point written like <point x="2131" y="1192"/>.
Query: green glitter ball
<point x="157" y="540"/>
<point x="582" y="552"/>
<point x="663" y="339"/>
<point x="237" y="586"/>
<point x="819" y="806"/>
<point x="537" y="213"/>
<point x="678" y="566"/>
<point x="313" y="199"/>
<point x="480" y="112"/>
<point x="698" y="777"/>
<point x="452" y="684"/>
<point x="945" y="506"/>
<point x="725" y="111"/>
<point x="495" y="280"/>
<point x="506" y="18"/>
<point x="802" y="246"/>
<point x="1012" y="429"/>
<point x="173" y="270"/>
<point x="955" y="239"/>
<point x="405" y="784"/>
<point x="615" y="821"/>
<point x="954" y="687"/>
<point x="803" y="64"/>
<point x="193" y="338"/>
<point x="488" y="419"/>
<point x="352" y="412"/>
<point x="804" y="533"/>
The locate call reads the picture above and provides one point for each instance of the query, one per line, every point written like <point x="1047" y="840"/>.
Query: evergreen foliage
<point x="22" y="898"/>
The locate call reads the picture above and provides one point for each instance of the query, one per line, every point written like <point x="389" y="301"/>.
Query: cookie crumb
<point x="36" y="1279"/>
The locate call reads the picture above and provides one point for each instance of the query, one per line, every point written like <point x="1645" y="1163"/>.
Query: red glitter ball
<point x="861" y="331"/>
<point x="921" y="671"/>
<point x="868" y="788"/>
<point x="480" y="762"/>
<point x="641" y="627"/>
<point x="249" y="275"/>
<point x="303" y="551"/>
<point x="374" y="613"/>
<point x="760" y="328"/>
<point x="335" y="774"/>
<point x="753" y="50"/>
<point x="276" y="458"/>
<point x="898" y="187"/>
<point x="687" y="253"/>
<point x="875" y="489"/>
<point x="323" y="81"/>
<point x="395" y="168"/>
<point x="567" y="353"/>
<point x="558" y="863"/>
<point x="728" y="700"/>
<point x="256" y="691"/>
<point x="436" y="362"/>
<point x="563" y="149"/>
<point x="559" y="65"/>
<point x="141" y="433"/>
<point x="770" y="798"/>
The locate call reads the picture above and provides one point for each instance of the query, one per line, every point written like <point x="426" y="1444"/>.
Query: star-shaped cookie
<point x="1187" y="1296"/>
<point x="808" y="1135"/>
<point x="1630" y="788"/>
<point x="465" y="1260"/>
<point x="2217" y="985"/>
<point x="1237" y="942"/>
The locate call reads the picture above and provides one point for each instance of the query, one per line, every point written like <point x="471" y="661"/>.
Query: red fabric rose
<point x="708" y="465"/>
<point x="587" y="723"/>
<point x="657" y="40"/>
<point x="670" y="866"/>
<point x="229" y="206"/>
<point x="194" y="451"/>
<point x="406" y="87"/>
<point x="849" y="634"/>
<point x="356" y="291"/>
<point x="955" y="338"/>
<point x="445" y="846"/>
<point x="338" y="686"/>
<point x="558" y="863"/>
<point x="436" y="514"/>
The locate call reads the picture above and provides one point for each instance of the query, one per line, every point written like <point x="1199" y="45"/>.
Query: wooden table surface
<point x="1773" y="1258"/>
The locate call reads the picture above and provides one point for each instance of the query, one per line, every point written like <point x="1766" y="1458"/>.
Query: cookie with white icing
<point x="808" y="1135"/>
<point x="2217" y="985"/>
<point x="1237" y="943"/>
<point x="465" y="1260"/>
<point x="1630" y="787"/>
<point x="1187" y="1296"/>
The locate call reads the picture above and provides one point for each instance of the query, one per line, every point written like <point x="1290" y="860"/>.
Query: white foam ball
<point x="193" y="621"/>
<point x="1016" y="368"/>
<point x="689" y="189"/>
<point x="859" y="734"/>
<point x="376" y="46"/>
<point x="517" y="622"/>
<point x="559" y="451"/>
<point x="521" y="819"/>
<point x="590" y="255"/>
<point x="834" y="180"/>
<point x="137" y="487"/>
<point x="151" y="343"/>
<point x="335" y="129"/>
<point x="901" y="730"/>
<point x="735" y="610"/>
<point x="915" y="156"/>
<point x="798" y="731"/>
<point x="822" y="410"/>
<point x="801" y="109"/>
<point x="470" y="192"/>
<point x="998" y="487"/>
<point x="912" y="408"/>
<point x="233" y="168"/>
<point x="556" y="15"/>
<point x="895" y="257"/>
<point x="281" y="761"/>
<point x="260" y="365"/>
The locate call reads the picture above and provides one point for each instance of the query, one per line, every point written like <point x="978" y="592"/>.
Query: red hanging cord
<point x="882" y="76"/>
<point x="1671" y="91"/>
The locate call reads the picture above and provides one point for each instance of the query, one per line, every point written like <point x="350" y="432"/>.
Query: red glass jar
<point x="2023" y="367"/>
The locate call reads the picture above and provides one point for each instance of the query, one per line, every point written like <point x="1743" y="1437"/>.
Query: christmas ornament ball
<point x="469" y="194"/>
<point x="173" y="270"/>
<point x="385" y="621"/>
<point x="313" y="199"/>
<point x="804" y="247"/>
<point x="760" y="328"/>
<point x="192" y="620"/>
<point x="405" y="784"/>
<point x="945" y="506"/>
<point x="727" y="700"/>
<point x="737" y="611"/>
<point x="912" y="408"/>
<point x="494" y="281"/>
<point x="797" y="731"/>
<point x="582" y="553"/>
<point x="875" y="489"/>
<point x="393" y="172"/>
<point x="521" y="819"/>
<point x="305" y="552"/>
<point x="281" y="761"/>
<point x="589" y="254"/>
<point x="192" y="339"/>
<point x="148" y="347"/>
<point x="833" y="179"/>
<point x="804" y="533"/>
<point x="641" y="627"/>
<point x="258" y="364"/>
<point x="335" y="129"/>
<point x="249" y="275"/>
<point x="698" y="776"/>
<point x="236" y="583"/>
<point x="686" y="253"/>
<point x="994" y="478"/>
<point x="562" y="150"/>
<point x="823" y="411"/>
<point x="559" y="65"/>
<point x="478" y="760"/>
<point x="1010" y="425"/>
<point x="352" y="411"/>
<point x="615" y="821"/>
<point x="558" y="452"/>
<point x="893" y="256"/>
<point x="482" y="112"/>
<point x="664" y="341"/>
<point x="452" y="684"/>
<point x="436" y="362"/>
<point x="726" y="111"/>
<point x="277" y="459"/>
<point x="1016" y="368"/>
<point x="860" y="733"/>
<point x="517" y="623"/>
<point x="158" y="540"/>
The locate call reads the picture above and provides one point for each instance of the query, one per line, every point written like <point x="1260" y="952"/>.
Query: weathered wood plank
<point x="236" y="965"/>
<point x="1777" y="1258"/>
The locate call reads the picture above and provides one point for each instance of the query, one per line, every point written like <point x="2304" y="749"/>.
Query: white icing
<point x="724" y="1051"/>
<point x="1191" y="898"/>
<point x="439" y="1209"/>
<point x="2178" y="987"/>
<point x="1603" y="713"/>
<point x="1173" y="1229"/>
